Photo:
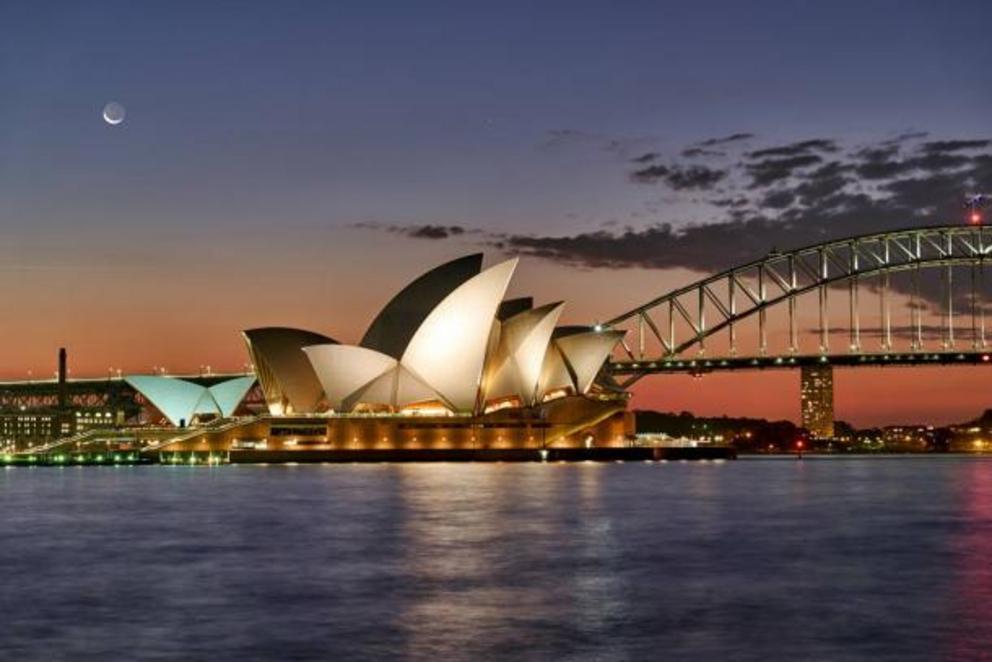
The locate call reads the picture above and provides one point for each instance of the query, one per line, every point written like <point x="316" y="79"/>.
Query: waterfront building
<point x="817" y="400"/>
<point x="448" y="364"/>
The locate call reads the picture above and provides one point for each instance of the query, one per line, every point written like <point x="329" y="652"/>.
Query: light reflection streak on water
<point x="854" y="558"/>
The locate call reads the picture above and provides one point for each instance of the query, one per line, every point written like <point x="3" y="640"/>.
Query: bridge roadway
<point x="702" y="364"/>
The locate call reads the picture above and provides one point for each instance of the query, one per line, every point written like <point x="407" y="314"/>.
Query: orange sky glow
<point x="183" y="310"/>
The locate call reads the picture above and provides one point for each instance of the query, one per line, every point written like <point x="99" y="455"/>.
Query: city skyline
<point x="262" y="168"/>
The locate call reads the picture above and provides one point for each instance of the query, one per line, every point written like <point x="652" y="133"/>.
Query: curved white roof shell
<point x="519" y="357"/>
<point x="448" y="351"/>
<point x="229" y="393"/>
<point x="344" y="370"/>
<point x="554" y="373"/>
<point x="286" y="376"/>
<point x="398" y="388"/>
<point x="181" y="401"/>
<point x="585" y="353"/>
<point x="448" y="338"/>
<point x="395" y="325"/>
<point x="510" y="307"/>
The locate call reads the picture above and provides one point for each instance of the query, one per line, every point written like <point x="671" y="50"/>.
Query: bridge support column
<point x="816" y="400"/>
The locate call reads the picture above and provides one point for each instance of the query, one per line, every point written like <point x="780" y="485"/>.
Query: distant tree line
<point x="745" y="434"/>
<point x="758" y="435"/>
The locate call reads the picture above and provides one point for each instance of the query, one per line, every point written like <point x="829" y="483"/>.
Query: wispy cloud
<point x="424" y="231"/>
<point x="680" y="177"/>
<point x="783" y="196"/>
<point x="725" y="140"/>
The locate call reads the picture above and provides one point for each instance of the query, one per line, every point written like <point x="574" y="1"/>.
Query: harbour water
<point x="824" y="559"/>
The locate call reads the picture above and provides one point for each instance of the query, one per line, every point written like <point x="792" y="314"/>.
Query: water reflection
<point x="509" y="559"/>
<point x="757" y="559"/>
<point x="970" y="563"/>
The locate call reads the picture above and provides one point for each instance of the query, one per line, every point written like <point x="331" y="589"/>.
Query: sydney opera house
<point x="448" y="364"/>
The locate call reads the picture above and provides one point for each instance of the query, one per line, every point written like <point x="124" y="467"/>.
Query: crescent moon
<point x="113" y="113"/>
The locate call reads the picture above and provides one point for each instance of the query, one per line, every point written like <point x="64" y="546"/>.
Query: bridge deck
<point x="702" y="364"/>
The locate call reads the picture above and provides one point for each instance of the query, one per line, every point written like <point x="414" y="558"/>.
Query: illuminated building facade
<point x="448" y="363"/>
<point x="25" y="429"/>
<point x="817" y="400"/>
<point x="37" y="412"/>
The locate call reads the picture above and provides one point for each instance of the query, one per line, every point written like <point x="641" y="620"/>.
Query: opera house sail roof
<point x="394" y="326"/>
<point x="448" y="341"/>
<point x="287" y="381"/>
<point x="181" y="401"/>
<point x="515" y="369"/>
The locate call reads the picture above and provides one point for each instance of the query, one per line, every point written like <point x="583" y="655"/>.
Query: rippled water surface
<point x="876" y="558"/>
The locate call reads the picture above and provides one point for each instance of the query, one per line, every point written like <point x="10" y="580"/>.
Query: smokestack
<point x="63" y="391"/>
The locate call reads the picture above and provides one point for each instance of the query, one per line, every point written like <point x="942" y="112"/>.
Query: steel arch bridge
<point x="672" y="332"/>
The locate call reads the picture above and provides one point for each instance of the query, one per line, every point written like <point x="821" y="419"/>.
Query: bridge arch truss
<point x="679" y="324"/>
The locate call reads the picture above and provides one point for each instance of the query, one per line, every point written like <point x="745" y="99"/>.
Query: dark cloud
<point x="796" y="149"/>
<point x="680" y="178"/>
<point x="659" y="246"/>
<point x="906" y="136"/>
<point x="650" y="174"/>
<point x="927" y="192"/>
<point x="879" y="162"/>
<point x="887" y="161"/>
<point x="746" y="235"/>
<point x="770" y="171"/>
<point x="730" y="202"/>
<point x="778" y="199"/>
<point x="787" y="203"/>
<point x="825" y="181"/>
<point x="434" y="231"/>
<point x="955" y="145"/>
<point x="692" y="152"/>
<point x="980" y="174"/>
<point x="647" y="157"/>
<point x="425" y="231"/>
<point x="694" y="177"/>
<point x="725" y="140"/>
<point x="784" y="202"/>
<point x="936" y="161"/>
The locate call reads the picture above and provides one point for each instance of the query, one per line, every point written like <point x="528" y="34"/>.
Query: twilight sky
<point x="296" y="163"/>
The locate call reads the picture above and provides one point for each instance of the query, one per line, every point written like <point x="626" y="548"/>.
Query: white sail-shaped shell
<point x="554" y="374"/>
<point x="284" y="373"/>
<point x="585" y="354"/>
<point x="178" y="400"/>
<point x="448" y="351"/>
<point x="229" y="393"/>
<point x="343" y="370"/>
<point x="523" y="343"/>
<point x="394" y="326"/>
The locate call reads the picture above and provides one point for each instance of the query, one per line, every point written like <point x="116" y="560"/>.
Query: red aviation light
<point x="799" y="444"/>
<point x="975" y="218"/>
